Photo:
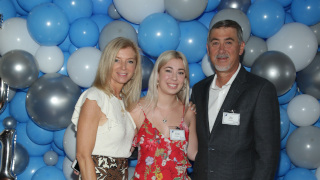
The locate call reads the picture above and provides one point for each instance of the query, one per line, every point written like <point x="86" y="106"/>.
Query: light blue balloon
<point x="101" y="20"/>
<point x="299" y="174"/>
<point x="205" y="18"/>
<point x="193" y="40"/>
<point x="288" y="96"/>
<point x="35" y="163"/>
<point x="50" y="158"/>
<point x="195" y="73"/>
<point x="266" y="18"/>
<point x="28" y="5"/>
<point x="84" y="32"/>
<point x="7" y="9"/>
<point x="58" y="138"/>
<point x="157" y="33"/>
<point x="39" y="135"/>
<point x="101" y="6"/>
<point x="75" y="9"/>
<point x="306" y="12"/>
<point x="48" y="24"/>
<point x="284" y="164"/>
<point x="48" y="173"/>
<point x="284" y="123"/>
<point x="18" y="107"/>
<point x="32" y="148"/>
<point x="212" y="5"/>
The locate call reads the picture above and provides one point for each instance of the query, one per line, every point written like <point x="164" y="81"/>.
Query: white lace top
<point x="114" y="138"/>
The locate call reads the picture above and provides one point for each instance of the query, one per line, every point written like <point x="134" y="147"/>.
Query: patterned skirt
<point x="109" y="168"/>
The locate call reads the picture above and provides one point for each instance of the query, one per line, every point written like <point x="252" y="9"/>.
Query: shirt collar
<point x="214" y="86"/>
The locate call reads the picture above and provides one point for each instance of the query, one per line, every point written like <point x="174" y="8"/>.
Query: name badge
<point x="231" y="118"/>
<point x="176" y="134"/>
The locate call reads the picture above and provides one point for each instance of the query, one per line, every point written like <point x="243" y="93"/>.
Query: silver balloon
<point x="276" y="67"/>
<point x="255" y="46"/>
<point x="185" y="10"/>
<point x="50" y="158"/>
<point x="7" y="142"/>
<point x="4" y="91"/>
<point x="19" y="69"/>
<point x="309" y="78"/>
<point x="51" y="99"/>
<point x="316" y="30"/>
<point x="20" y="159"/>
<point x="303" y="147"/>
<point x="242" y="5"/>
<point x="9" y="123"/>
<point x="112" y="12"/>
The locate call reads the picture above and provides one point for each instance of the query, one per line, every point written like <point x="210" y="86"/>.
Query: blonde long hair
<point x="132" y="89"/>
<point x="152" y="94"/>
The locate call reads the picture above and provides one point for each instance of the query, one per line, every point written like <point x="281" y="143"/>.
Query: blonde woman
<point x="105" y="129"/>
<point x="166" y="127"/>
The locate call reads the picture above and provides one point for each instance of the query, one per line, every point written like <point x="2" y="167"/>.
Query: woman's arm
<point x="86" y="136"/>
<point x="192" y="150"/>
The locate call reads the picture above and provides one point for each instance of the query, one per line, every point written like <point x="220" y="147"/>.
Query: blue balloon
<point x="288" y="18"/>
<point x="266" y="18"/>
<point x="48" y="24"/>
<point x="72" y="48"/>
<point x="299" y="174"/>
<point x="64" y="46"/>
<point x="5" y="113"/>
<point x="193" y="40"/>
<point x="39" y="135"/>
<point x="317" y="124"/>
<point x="48" y="173"/>
<point x="84" y="32"/>
<point x="284" y="164"/>
<point x="283" y="142"/>
<point x="306" y="12"/>
<point x="28" y="5"/>
<point x="75" y="9"/>
<point x="59" y="151"/>
<point x="157" y="33"/>
<point x="133" y="163"/>
<point x="101" y="6"/>
<point x="18" y="107"/>
<point x="35" y="163"/>
<point x="101" y="20"/>
<point x="60" y="162"/>
<point x="195" y="73"/>
<point x="19" y="10"/>
<point x="32" y="148"/>
<point x="63" y="69"/>
<point x="7" y="9"/>
<point x="212" y="5"/>
<point x="285" y="3"/>
<point x="58" y="138"/>
<point x="284" y="123"/>
<point x="205" y="18"/>
<point x="288" y="96"/>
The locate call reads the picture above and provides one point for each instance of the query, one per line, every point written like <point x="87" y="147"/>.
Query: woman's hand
<point x="192" y="107"/>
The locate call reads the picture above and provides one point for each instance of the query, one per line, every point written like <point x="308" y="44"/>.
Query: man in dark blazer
<point x="238" y="118"/>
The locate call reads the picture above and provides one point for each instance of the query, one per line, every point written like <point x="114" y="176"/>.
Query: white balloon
<point x="185" y="10"/>
<point x="318" y="173"/>
<point x="67" y="170"/>
<point x="14" y="35"/>
<point x="82" y="66"/>
<point x="297" y="41"/>
<point x="135" y="11"/>
<point x="303" y="110"/>
<point x="50" y="59"/>
<point x="207" y="66"/>
<point x="70" y="142"/>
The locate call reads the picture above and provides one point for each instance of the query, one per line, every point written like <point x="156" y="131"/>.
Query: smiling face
<point x="123" y="67"/>
<point x="224" y="49"/>
<point x="171" y="77"/>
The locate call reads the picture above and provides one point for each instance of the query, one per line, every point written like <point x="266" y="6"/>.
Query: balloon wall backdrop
<point x="50" y="49"/>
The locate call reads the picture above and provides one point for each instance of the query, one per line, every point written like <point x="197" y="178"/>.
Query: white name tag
<point x="176" y="134"/>
<point x="231" y="118"/>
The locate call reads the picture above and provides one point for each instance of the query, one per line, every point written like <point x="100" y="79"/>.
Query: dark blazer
<point x="248" y="151"/>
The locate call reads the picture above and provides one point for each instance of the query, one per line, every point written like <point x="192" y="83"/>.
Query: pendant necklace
<point x="164" y="119"/>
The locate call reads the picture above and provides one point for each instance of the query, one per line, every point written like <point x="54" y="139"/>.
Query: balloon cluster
<point x="50" y="49"/>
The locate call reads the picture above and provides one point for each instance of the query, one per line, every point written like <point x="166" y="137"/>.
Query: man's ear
<point x="242" y="45"/>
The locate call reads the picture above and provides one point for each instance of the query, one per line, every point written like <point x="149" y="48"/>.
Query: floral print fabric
<point x="159" y="157"/>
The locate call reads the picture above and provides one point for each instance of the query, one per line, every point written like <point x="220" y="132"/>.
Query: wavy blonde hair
<point x="152" y="94"/>
<point x="132" y="89"/>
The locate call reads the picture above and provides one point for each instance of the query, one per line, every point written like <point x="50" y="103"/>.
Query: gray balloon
<point x="19" y="69"/>
<point x="11" y="94"/>
<point x="20" y="159"/>
<point x="112" y="12"/>
<point x="116" y="29"/>
<point x="147" y="66"/>
<point x="308" y="79"/>
<point x="303" y="147"/>
<point x="235" y="15"/>
<point x="242" y="5"/>
<point x="4" y="91"/>
<point x="276" y="67"/>
<point x="185" y="10"/>
<point x="9" y="123"/>
<point x="316" y="30"/>
<point x="51" y="99"/>
<point x="50" y="158"/>
<point x="255" y="46"/>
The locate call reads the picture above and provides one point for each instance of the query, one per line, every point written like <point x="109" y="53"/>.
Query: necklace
<point x="165" y="119"/>
<point x="122" y="109"/>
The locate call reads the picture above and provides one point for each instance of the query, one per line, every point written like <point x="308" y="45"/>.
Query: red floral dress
<point x="159" y="157"/>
